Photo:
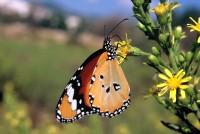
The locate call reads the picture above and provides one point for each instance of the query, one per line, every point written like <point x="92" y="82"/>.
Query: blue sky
<point x="103" y="8"/>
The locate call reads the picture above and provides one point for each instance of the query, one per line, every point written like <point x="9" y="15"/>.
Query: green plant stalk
<point x="142" y="12"/>
<point x="189" y="65"/>
<point x="194" y="69"/>
<point x="162" y="63"/>
<point x="172" y="60"/>
<point x="149" y="19"/>
<point x="163" y="28"/>
<point x="176" y="46"/>
<point x="169" y="26"/>
<point x="146" y="17"/>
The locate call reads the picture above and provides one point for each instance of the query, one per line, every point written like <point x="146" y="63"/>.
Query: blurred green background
<point x="38" y="55"/>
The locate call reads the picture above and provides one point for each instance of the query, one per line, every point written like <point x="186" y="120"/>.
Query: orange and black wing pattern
<point x="109" y="93"/>
<point x="99" y="86"/>
<point x="74" y="103"/>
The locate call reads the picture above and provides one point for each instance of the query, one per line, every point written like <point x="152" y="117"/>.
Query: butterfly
<point x="99" y="86"/>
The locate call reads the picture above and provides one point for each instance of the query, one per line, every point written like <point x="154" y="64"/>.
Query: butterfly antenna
<point x="117" y="36"/>
<point x="116" y="26"/>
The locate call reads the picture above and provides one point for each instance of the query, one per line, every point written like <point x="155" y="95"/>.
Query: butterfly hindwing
<point x="110" y="91"/>
<point x="74" y="103"/>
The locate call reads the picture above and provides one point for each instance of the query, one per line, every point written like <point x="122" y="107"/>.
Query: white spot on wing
<point x="78" y="111"/>
<point x="80" y="101"/>
<point x="74" y="104"/>
<point x="58" y="117"/>
<point x="70" y="93"/>
<point x="59" y="112"/>
<point x="78" y="84"/>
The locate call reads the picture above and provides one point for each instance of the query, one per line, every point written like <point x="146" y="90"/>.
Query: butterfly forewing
<point x="109" y="93"/>
<point x="74" y="103"/>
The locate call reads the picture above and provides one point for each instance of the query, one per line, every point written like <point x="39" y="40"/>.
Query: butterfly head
<point x="109" y="48"/>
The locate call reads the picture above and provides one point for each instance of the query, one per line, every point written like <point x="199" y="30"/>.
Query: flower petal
<point x="180" y="76"/>
<point x="189" y="25"/>
<point x="172" y="95"/>
<point x="163" y="77"/>
<point x="191" y="30"/>
<point x="163" y="91"/>
<point x="184" y="86"/>
<point x="196" y="28"/>
<point x="168" y="73"/>
<point x="161" y="85"/>
<point x="182" y="93"/>
<point x="186" y="79"/>
<point x="179" y="72"/>
<point x="199" y="20"/>
<point x="193" y="20"/>
<point x="198" y="40"/>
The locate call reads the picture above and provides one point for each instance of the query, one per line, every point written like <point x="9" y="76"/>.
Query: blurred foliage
<point x="15" y="117"/>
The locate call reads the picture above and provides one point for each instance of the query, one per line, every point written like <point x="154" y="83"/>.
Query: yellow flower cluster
<point x="123" y="49"/>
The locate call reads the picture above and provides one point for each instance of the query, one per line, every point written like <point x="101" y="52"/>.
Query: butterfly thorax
<point x="109" y="48"/>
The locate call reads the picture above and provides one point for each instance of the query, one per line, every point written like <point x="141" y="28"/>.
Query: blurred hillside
<point x="41" y="48"/>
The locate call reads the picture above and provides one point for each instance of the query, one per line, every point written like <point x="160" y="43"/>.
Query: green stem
<point x="149" y="19"/>
<point x="142" y="13"/>
<point x="172" y="60"/>
<point x="194" y="69"/>
<point x="162" y="63"/>
<point x="149" y="23"/>
<point x="169" y="28"/>
<point x="145" y="53"/>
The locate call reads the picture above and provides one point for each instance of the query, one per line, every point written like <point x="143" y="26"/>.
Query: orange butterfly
<point x="99" y="86"/>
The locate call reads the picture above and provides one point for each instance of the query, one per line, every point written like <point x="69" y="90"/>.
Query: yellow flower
<point x="195" y="27"/>
<point x="164" y="12"/>
<point x="161" y="9"/>
<point x="123" y="49"/>
<point x="172" y="83"/>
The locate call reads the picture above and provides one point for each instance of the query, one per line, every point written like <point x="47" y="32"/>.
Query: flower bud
<point x="184" y="101"/>
<point x="198" y="114"/>
<point x="138" y="2"/>
<point x="197" y="57"/>
<point x="142" y="27"/>
<point x="155" y="51"/>
<point x="163" y="38"/>
<point x="190" y="91"/>
<point x="135" y="51"/>
<point x="154" y="60"/>
<point x="195" y="107"/>
<point x="165" y="102"/>
<point x="178" y="32"/>
<point x="189" y="56"/>
<point x="198" y="97"/>
<point x="181" y="58"/>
